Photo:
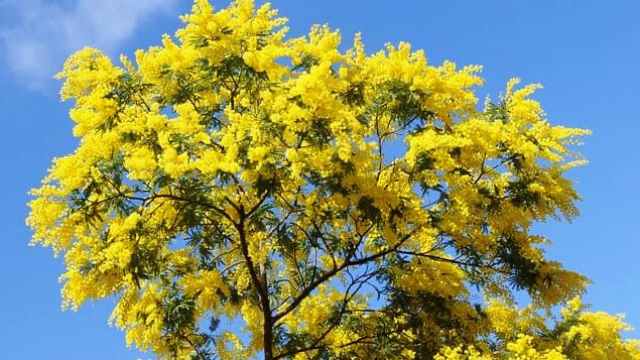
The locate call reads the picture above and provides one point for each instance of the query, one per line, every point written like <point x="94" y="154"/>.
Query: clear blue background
<point x="586" y="53"/>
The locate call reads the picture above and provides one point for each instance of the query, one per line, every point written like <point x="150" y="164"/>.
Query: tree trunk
<point x="268" y="336"/>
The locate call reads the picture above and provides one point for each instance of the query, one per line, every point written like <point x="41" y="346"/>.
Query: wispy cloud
<point x="41" y="33"/>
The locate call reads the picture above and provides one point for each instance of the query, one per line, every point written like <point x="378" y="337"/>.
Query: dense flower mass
<point x="243" y="194"/>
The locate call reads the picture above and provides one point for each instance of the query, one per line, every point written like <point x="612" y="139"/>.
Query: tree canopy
<point x="243" y="194"/>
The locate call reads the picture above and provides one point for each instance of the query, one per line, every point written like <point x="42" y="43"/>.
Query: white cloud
<point x="42" y="33"/>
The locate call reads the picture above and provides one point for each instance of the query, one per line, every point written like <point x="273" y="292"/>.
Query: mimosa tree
<point x="243" y="195"/>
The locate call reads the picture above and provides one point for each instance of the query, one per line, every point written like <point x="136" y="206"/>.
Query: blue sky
<point x="585" y="53"/>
